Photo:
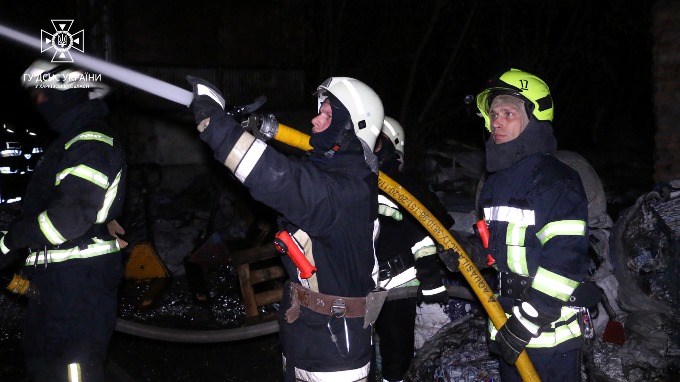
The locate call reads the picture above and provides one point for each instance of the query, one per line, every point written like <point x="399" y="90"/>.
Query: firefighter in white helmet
<point x="407" y="256"/>
<point x="328" y="202"/>
<point x="73" y="260"/>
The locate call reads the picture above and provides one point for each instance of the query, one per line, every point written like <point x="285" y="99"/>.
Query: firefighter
<point x="406" y="257"/>
<point x="76" y="189"/>
<point x="536" y="211"/>
<point x="328" y="202"/>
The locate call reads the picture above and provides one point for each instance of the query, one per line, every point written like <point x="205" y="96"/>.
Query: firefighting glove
<point x="8" y="255"/>
<point x="428" y="273"/>
<point x="512" y="339"/>
<point x="471" y="244"/>
<point x="263" y="127"/>
<point x="207" y="101"/>
<point x="387" y="208"/>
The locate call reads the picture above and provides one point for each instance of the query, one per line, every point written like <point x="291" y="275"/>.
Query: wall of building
<point x="666" y="89"/>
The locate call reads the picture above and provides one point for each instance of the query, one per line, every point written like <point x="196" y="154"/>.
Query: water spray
<point x="127" y="76"/>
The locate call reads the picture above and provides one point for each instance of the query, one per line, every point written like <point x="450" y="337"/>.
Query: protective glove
<point x="389" y="209"/>
<point x="512" y="338"/>
<point x="8" y="255"/>
<point x="428" y="273"/>
<point x="263" y="127"/>
<point x="207" y="100"/>
<point x="473" y="247"/>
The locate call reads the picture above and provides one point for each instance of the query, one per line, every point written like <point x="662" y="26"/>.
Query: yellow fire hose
<point x="484" y="293"/>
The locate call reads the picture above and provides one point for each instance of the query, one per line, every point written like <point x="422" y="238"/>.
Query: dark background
<point x="422" y="58"/>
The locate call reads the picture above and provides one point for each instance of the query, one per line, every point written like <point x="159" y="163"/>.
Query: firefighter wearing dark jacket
<point x="76" y="265"/>
<point x="407" y="256"/>
<point x="328" y="202"/>
<point x="536" y="211"/>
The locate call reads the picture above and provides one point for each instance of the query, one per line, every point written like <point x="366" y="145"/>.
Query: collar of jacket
<point x="536" y="138"/>
<point x="79" y="115"/>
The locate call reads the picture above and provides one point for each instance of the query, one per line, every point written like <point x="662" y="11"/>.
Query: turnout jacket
<point x="330" y="206"/>
<point x="536" y="210"/>
<point x="76" y="188"/>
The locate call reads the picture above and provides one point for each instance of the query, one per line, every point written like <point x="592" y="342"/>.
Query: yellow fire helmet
<point x="526" y="86"/>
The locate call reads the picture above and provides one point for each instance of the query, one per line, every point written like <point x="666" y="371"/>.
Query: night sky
<point x="422" y="58"/>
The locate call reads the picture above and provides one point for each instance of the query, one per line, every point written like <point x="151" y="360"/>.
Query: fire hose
<point x="484" y="293"/>
<point x="300" y="140"/>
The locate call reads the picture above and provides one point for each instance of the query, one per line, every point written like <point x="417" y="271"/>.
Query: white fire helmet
<point x="395" y="132"/>
<point x="43" y="74"/>
<point x="364" y="106"/>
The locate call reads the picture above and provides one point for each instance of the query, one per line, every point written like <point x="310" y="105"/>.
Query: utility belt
<point x="70" y="250"/>
<point x="334" y="306"/>
<point x="395" y="266"/>
<point x="512" y="285"/>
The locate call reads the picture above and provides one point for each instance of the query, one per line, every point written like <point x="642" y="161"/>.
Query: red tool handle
<point x="285" y="244"/>
<point x="483" y="230"/>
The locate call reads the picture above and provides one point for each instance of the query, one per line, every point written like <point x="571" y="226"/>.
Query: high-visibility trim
<point x="510" y="215"/>
<point x="239" y="151"/>
<point x="430" y="292"/>
<point x="553" y="284"/>
<point x="89" y="136"/>
<point x="561" y="227"/>
<point x="74" y="373"/>
<point x="516" y="234"/>
<point x="382" y="199"/>
<point x="555" y="334"/>
<point x="517" y="260"/>
<point x="423" y="248"/>
<point x="333" y="376"/>
<point x="84" y="172"/>
<point x="530" y="326"/>
<point x="244" y="156"/>
<point x="48" y="229"/>
<point x="109" y="198"/>
<point x="60" y="255"/>
<point x="3" y="248"/>
<point x="400" y="279"/>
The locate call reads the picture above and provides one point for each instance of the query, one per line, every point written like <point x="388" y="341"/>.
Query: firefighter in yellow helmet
<point x="536" y="211"/>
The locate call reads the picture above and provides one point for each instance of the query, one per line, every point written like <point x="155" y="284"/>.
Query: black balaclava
<point x="537" y="137"/>
<point x="337" y="134"/>
<point x="387" y="155"/>
<point x="58" y="102"/>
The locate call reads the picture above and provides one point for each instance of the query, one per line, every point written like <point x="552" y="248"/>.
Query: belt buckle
<point x="338" y="308"/>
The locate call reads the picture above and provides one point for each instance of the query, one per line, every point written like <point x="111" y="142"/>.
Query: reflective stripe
<point x="49" y="230"/>
<point x="59" y="255"/>
<point x="333" y="376"/>
<point x="530" y="326"/>
<point x="3" y="247"/>
<point x="555" y="335"/>
<point x="244" y="156"/>
<point x="84" y="172"/>
<point x="510" y="215"/>
<point x="562" y="227"/>
<point x="382" y="199"/>
<point x="517" y="260"/>
<point x="516" y="234"/>
<point x="74" y="374"/>
<point x="429" y="292"/>
<point x="89" y="136"/>
<point x="109" y="198"/>
<point x="400" y="279"/>
<point x="553" y="284"/>
<point x="423" y="248"/>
